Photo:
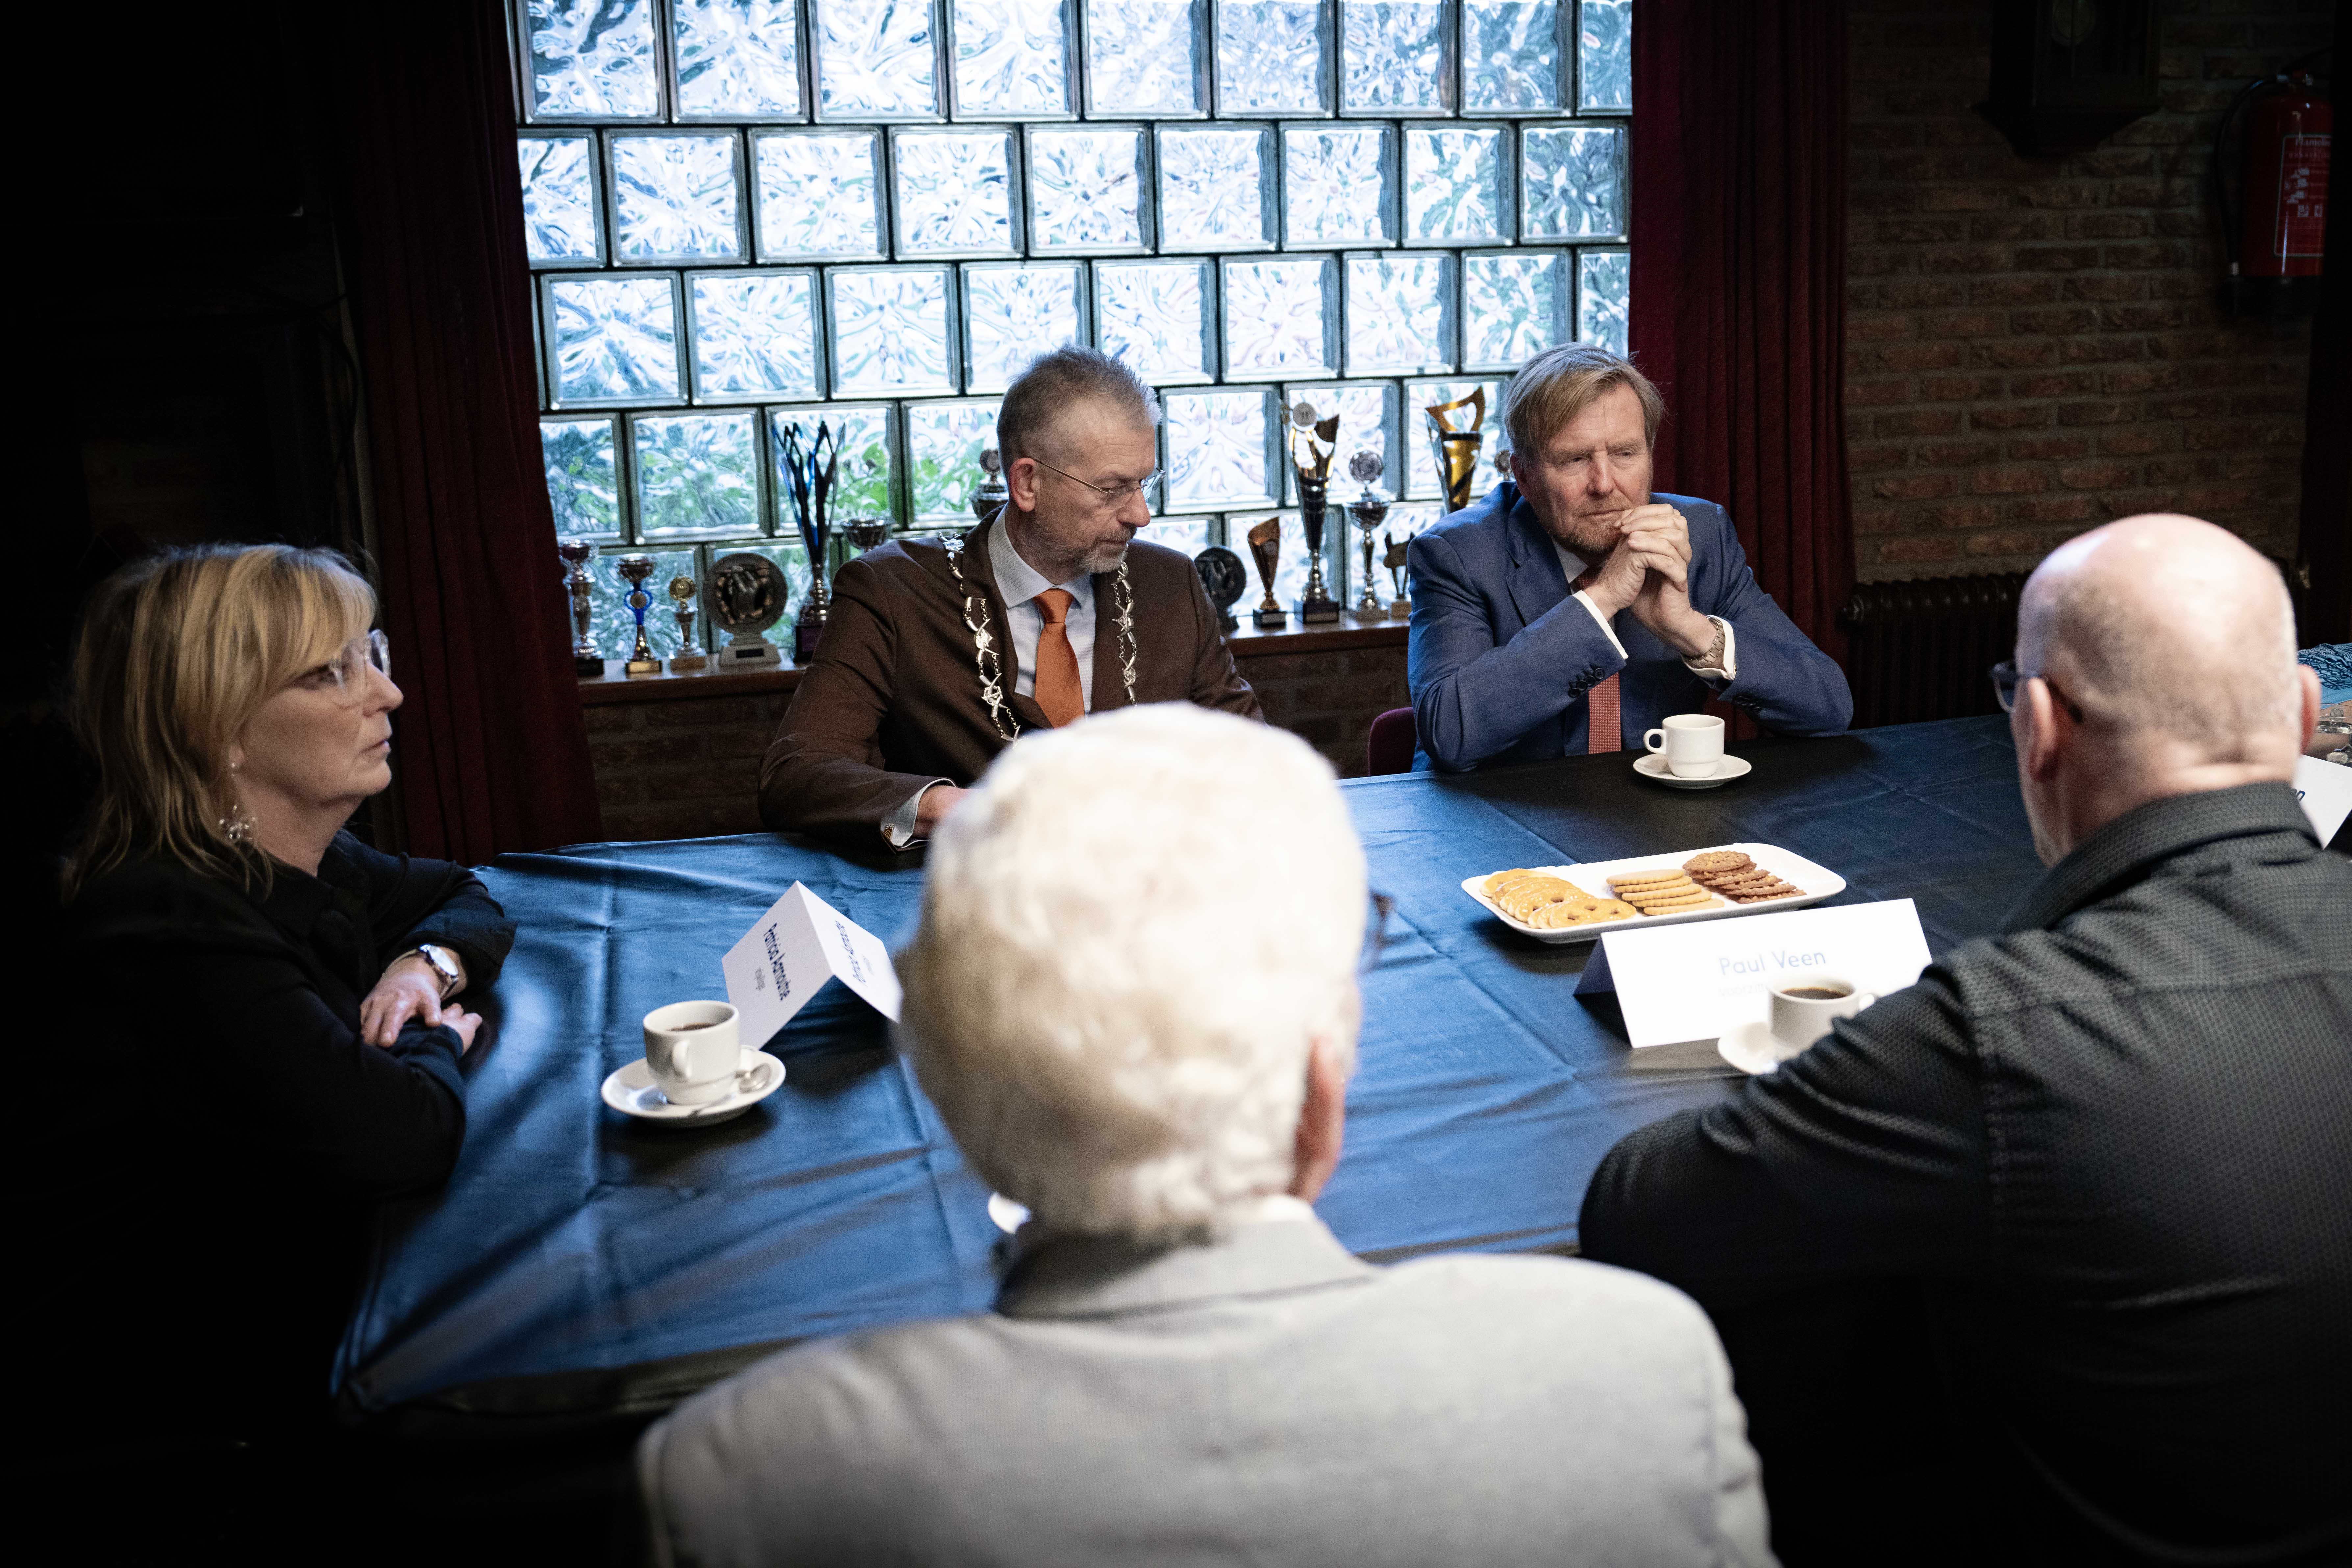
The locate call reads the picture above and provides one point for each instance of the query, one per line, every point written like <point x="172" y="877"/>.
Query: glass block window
<point x="747" y="215"/>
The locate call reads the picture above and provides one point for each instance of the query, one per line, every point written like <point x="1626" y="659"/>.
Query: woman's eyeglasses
<point x="346" y="673"/>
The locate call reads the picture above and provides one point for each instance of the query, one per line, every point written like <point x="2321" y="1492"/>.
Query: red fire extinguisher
<point x="2277" y="239"/>
<point x="2285" y="191"/>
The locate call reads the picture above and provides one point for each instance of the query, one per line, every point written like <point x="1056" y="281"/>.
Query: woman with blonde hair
<point x="278" y="995"/>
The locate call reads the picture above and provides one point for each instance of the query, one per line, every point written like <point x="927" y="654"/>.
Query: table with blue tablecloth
<point x="582" y="1272"/>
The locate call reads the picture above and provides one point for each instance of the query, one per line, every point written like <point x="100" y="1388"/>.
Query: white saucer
<point x="1754" y="1049"/>
<point x="1650" y="765"/>
<point x="632" y="1091"/>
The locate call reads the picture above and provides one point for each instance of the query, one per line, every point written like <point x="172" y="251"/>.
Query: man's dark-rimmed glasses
<point x="2006" y="677"/>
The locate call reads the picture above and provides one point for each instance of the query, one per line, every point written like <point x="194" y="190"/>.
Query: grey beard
<point x="1103" y="557"/>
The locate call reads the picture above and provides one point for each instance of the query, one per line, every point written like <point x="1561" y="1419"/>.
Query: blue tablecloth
<point x="582" y="1269"/>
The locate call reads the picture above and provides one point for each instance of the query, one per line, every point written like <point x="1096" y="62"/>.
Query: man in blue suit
<point x="1571" y="593"/>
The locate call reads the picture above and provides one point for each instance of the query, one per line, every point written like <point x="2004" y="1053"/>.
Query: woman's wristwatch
<point x="443" y="963"/>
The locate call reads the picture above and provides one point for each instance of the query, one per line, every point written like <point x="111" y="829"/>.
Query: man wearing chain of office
<point x="941" y="650"/>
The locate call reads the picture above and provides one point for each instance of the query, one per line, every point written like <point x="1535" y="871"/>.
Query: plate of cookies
<point x="1578" y="902"/>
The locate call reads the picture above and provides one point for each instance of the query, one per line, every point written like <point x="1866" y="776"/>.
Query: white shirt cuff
<point x="1602" y="621"/>
<point x="1730" y="669"/>
<point x="898" y="827"/>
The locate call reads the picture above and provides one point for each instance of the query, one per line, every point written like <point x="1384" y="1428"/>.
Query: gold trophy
<point x="1455" y="444"/>
<point x="1400" y="608"/>
<point x="1321" y="438"/>
<point x="635" y="569"/>
<point x="1370" y="512"/>
<point x="576" y="554"/>
<point x="681" y="598"/>
<point x="1266" y="548"/>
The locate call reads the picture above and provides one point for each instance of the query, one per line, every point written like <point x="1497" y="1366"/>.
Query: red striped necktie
<point x="1601" y="702"/>
<point x="1602" y="707"/>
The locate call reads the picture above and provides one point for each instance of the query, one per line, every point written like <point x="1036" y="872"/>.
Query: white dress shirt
<point x="1573" y="565"/>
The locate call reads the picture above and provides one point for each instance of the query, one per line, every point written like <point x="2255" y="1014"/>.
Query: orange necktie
<point x="1058" y="692"/>
<point x="1600" y="706"/>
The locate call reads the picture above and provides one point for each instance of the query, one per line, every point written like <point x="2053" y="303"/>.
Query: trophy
<point x="1455" y="444"/>
<point x="1316" y="604"/>
<point x="1266" y="548"/>
<point x="1223" y="579"/>
<point x="1400" y="608"/>
<point x="991" y="493"/>
<point x="576" y="554"/>
<point x="681" y="598"/>
<point x="635" y="569"/>
<point x="809" y="466"/>
<point x="864" y="533"/>
<point x="743" y="596"/>
<point x="1370" y="512"/>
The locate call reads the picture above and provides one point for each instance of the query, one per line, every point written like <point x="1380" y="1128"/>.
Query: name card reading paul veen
<point x="792" y="951"/>
<point x="1696" y="982"/>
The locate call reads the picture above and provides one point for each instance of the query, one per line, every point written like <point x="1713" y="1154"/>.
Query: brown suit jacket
<point x="893" y="699"/>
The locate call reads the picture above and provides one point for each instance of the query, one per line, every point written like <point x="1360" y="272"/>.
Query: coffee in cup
<point x="1803" y="1010"/>
<point x="1692" y="744"/>
<point x="691" y="1050"/>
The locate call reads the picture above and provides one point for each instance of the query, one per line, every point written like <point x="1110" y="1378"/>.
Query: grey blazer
<point x="1263" y="1398"/>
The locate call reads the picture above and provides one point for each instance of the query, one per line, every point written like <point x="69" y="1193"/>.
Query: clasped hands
<point x="410" y="988"/>
<point x="1648" y="572"/>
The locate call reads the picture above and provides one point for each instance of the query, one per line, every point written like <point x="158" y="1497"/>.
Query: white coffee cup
<point x="691" y="1048"/>
<point x="1803" y="1010"/>
<point x="1692" y="742"/>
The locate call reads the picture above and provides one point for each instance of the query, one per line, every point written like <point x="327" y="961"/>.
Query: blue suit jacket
<point x="1502" y="657"/>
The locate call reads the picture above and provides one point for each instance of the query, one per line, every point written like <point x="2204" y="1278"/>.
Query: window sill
<point x="1249" y="642"/>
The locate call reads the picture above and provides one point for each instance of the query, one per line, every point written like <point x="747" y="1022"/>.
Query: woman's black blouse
<point x="195" y="1206"/>
<point x="251" y="1002"/>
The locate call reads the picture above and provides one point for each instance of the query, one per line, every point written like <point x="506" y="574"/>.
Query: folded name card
<point x="792" y="950"/>
<point x="1696" y="980"/>
<point x="2324" y="790"/>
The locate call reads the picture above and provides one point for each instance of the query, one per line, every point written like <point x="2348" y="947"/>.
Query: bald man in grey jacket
<point x="1184" y="1366"/>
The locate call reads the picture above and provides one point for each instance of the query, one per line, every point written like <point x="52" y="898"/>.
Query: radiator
<point x="1919" y="650"/>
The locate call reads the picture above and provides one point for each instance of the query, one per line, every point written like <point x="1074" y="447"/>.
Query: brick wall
<point x="683" y="768"/>
<point x="2032" y="347"/>
<point x="1330" y="698"/>
<point x="688" y="767"/>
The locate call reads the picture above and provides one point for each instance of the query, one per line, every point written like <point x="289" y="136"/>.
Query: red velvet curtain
<point x="490" y="748"/>
<point x="1738" y="286"/>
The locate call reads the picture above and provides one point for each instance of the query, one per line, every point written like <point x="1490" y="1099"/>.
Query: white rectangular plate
<point x="1816" y="882"/>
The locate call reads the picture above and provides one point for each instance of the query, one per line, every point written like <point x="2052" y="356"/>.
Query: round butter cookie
<point x="1568" y="912"/>
<point x="1717" y="860"/>
<point x="1519" y="887"/>
<point x="1523" y="899"/>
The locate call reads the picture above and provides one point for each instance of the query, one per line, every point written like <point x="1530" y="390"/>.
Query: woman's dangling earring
<point x="238" y="826"/>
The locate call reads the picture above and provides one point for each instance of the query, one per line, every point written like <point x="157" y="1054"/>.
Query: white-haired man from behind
<point x="1140" y="1022"/>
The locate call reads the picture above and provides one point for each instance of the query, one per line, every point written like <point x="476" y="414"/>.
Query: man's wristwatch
<point x="1713" y="658"/>
<point x="443" y="963"/>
